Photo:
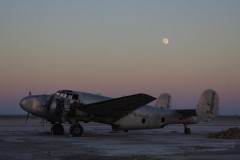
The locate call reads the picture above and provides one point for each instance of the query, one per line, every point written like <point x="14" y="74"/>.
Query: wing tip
<point x="147" y="97"/>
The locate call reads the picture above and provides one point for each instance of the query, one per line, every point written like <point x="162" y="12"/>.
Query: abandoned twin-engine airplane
<point x="124" y="113"/>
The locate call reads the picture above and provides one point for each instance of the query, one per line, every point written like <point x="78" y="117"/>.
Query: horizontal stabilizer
<point x="187" y="112"/>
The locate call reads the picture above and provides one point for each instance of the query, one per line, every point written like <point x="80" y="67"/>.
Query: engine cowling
<point x="208" y="106"/>
<point x="55" y="108"/>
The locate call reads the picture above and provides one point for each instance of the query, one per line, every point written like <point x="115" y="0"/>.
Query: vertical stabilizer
<point x="164" y="101"/>
<point x="208" y="106"/>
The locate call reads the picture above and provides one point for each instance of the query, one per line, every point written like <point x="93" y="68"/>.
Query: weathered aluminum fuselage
<point x="145" y="117"/>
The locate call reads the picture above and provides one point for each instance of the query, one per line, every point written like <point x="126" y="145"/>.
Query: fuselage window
<point x="143" y="120"/>
<point x="163" y="119"/>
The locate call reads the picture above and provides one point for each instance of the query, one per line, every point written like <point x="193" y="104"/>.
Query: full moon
<point x="165" y="41"/>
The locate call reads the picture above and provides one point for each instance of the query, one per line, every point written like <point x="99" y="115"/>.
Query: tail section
<point x="164" y="101"/>
<point x="208" y="106"/>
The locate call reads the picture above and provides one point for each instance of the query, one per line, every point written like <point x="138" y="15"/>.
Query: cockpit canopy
<point x="69" y="94"/>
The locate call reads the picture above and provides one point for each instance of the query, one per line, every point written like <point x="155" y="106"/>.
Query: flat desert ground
<point x="34" y="142"/>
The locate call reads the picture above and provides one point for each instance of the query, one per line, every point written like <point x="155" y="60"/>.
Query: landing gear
<point x="76" y="130"/>
<point x="57" y="129"/>
<point x="186" y="129"/>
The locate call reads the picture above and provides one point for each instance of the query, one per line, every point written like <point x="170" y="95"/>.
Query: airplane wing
<point x="116" y="108"/>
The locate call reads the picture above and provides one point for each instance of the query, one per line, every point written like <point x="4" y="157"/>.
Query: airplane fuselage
<point x="145" y="117"/>
<point x="123" y="113"/>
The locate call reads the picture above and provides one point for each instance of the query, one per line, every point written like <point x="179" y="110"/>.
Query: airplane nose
<point x="22" y="103"/>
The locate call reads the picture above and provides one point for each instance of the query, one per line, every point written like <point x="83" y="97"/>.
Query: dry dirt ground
<point x="34" y="142"/>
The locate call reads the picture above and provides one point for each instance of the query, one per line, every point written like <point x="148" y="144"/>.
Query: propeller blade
<point x="43" y="121"/>
<point x="26" y="118"/>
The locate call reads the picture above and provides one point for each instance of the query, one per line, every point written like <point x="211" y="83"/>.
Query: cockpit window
<point x="67" y="94"/>
<point x="64" y="94"/>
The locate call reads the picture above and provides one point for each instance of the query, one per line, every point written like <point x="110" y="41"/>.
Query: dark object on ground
<point x="231" y="133"/>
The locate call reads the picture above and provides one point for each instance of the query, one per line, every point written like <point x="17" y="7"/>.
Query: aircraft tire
<point x="76" y="130"/>
<point x="187" y="131"/>
<point x="57" y="129"/>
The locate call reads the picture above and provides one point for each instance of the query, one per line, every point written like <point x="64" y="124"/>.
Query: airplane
<point x="123" y="113"/>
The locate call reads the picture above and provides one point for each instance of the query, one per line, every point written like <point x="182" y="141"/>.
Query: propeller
<point x="44" y="120"/>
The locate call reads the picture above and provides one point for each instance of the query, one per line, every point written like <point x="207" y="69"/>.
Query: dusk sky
<point x="115" y="48"/>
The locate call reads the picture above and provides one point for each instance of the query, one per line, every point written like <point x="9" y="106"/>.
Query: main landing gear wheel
<point x="57" y="129"/>
<point x="76" y="130"/>
<point x="186" y="129"/>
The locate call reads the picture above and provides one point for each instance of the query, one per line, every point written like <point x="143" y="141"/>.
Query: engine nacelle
<point x="55" y="108"/>
<point x="208" y="106"/>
